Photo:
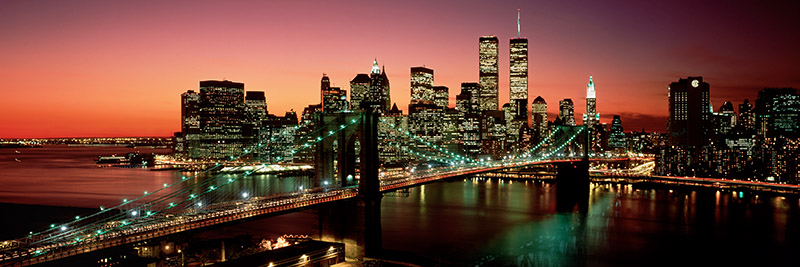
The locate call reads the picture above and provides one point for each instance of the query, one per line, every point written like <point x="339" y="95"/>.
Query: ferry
<point x="110" y="159"/>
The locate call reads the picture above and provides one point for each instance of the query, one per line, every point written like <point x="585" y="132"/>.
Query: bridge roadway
<point x="161" y="225"/>
<point x="716" y="182"/>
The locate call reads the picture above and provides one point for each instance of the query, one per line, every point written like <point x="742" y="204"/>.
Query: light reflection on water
<point x="472" y="221"/>
<point x="68" y="176"/>
<point x="489" y="223"/>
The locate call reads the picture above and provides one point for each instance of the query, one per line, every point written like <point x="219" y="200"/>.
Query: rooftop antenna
<point x="518" y="36"/>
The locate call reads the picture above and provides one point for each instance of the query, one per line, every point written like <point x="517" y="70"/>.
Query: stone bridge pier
<point x="355" y="222"/>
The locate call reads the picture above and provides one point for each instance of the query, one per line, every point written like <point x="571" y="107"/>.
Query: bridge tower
<point x="355" y="222"/>
<point x="572" y="181"/>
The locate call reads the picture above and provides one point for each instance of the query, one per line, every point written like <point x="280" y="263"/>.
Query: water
<point x="474" y="222"/>
<point x="504" y="223"/>
<point x="68" y="176"/>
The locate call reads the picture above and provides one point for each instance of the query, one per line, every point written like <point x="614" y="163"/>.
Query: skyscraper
<point x="518" y="76"/>
<point x="488" y="73"/>
<point x="379" y="95"/>
<point x="724" y="120"/>
<point x="778" y="112"/>
<point x="591" y="118"/>
<point x="566" y="112"/>
<point x="441" y="96"/>
<point x="333" y="98"/>
<point x="190" y="122"/>
<point x="616" y="140"/>
<point x="424" y="115"/>
<point x="689" y="113"/>
<point x="539" y="112"/>
<point x="474" y="93"/>
<point x="746" y="121"/>
<point x="255" y="112"/>
<point x="421" y="85"/>
<point x="359" y="86"/>
<point x="221" y="119"/>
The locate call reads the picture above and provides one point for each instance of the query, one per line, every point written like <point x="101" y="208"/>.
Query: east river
<point x="473" y="221"/>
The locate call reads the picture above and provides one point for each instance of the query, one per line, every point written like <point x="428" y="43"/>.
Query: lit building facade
<point x="221" y="119"/>
<point x="539" y="120"/>
<point x="616" y="139"/>
<point x="441" y="96"/>
<point x="278" y="133"/>
<point x="591" y="118"/>
<point x="378" y="96"/>
<point x="566" y="113"/>
<point x="518" y="77"/>
<point x="689" y="122"/>
<point x="421" y="85"/>
<point x="488" y="76"/>
<point x="473" y="90"/>
<point x="255" y="111"/>
<point x="359" y="87"/>
<point x="392" y="143"/>
<point x="334" y="99"/>
<point x="190" y="123"/>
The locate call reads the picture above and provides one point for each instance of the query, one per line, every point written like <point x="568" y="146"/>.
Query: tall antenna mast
<point x="518" y="36"/>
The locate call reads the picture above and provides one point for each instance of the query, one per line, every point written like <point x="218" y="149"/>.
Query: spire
<point x="518" y="35"/>
<point x="590" y="88"/>
<point x="375" y="68"/>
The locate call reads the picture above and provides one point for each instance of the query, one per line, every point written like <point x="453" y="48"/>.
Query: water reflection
<point x="492" y="223"/>
<point x="68" y="176"/>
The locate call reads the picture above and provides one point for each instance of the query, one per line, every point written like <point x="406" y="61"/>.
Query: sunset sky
<point x="117" y="68"/>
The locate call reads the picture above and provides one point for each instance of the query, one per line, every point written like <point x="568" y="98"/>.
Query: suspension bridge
<point x="201" y="201"/>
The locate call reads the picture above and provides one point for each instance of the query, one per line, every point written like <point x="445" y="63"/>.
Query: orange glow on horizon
<point x="118" y="69"/>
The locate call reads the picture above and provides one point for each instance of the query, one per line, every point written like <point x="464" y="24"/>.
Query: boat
<point x="110" y="159"/>
<point x="16" y="151"/>
<point x="17" y="160"/>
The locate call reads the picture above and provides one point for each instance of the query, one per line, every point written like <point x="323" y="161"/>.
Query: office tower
<point x="493" y="133"/>
<point x="255" y="111"/>
<point x="539" y="112"/>
<point x="221" y="119"/>
<point x="616" y="140"/>
<point x="190" y="123"/>
<point x="307" y="125"/>
<point x="424" y="116"/>
<point x="470" y="133"/>
<point x="451" y="134"/>
<point x="333" y="98"/>
<point x="474" y="93"/>
<point x="425" y="121"/>
<point x="689" y="113"/>
<point x="392" y="142"/>
<point x="488" y="73"/>
<point x="441" y="96"/>
<point x="278" y="133"/>
<point x="566" y="114"/>
<point x="591" y="118"/>
<point x="746" y="121"/>
<point x="421" y="85"/>
<point x="359" y="87"/>
<point x="778" y="134"/>
<point x="778" y="113"/>
<point x="518" y="75"/>
<point x="463" y="104"/>
<point x="724" y="120"/>
<point x="378" y="96"/>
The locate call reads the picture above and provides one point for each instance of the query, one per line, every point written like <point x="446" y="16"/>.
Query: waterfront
<point x="474" y="221"/>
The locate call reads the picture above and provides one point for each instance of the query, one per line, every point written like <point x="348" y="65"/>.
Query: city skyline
<point x="94" y="70"/>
